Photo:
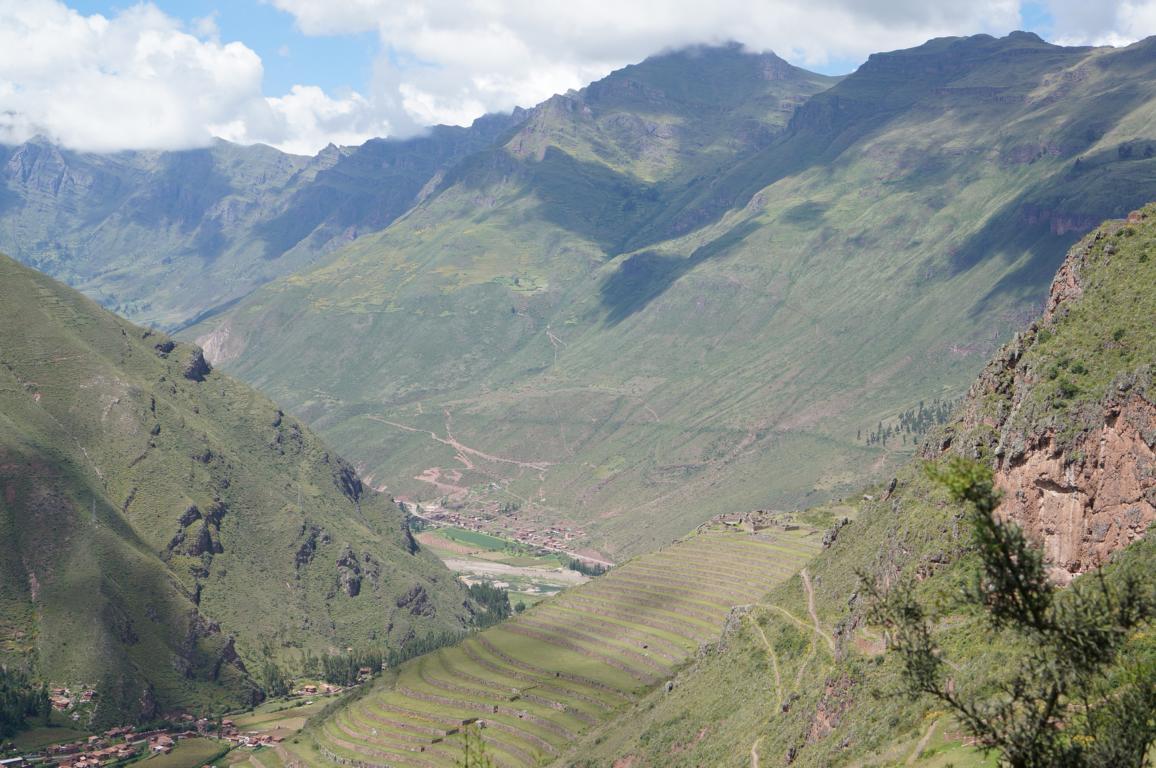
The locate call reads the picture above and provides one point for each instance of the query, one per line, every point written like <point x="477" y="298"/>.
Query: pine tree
<point x="1070" y="702"/>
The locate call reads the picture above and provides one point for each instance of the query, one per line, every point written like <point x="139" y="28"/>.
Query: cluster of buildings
<point x="326" y="689"/>
<point x="97" y="750"/>
<point x="257" y="738"/>
<point x="750" y="522"/>
<point x="63" y="699"/>
<point x="115" y="746"/>
<point x="503" y="524"/>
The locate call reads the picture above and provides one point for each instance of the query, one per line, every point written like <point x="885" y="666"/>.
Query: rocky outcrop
<point x="196" y="368"/>
<point x="189" y="516"/>
<point x="1082" y="486"/>
<point x="836" y="700"/>
<point x="346" y="479"/>
<point x="416" y="601"/>
<point x="1086" y="501"/>
<point x="314" y="536"/>
<point x="349" y="572"/>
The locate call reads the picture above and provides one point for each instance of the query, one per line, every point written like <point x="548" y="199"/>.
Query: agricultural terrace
<point x="536" y="682"/>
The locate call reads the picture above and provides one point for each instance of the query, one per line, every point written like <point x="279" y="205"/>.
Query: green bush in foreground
<point x="1070" y="701"/>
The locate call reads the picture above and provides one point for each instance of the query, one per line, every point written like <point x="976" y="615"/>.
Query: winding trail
<point x="811" y="609"/>
<point x="755" y="752"/>
<point x="923" y="742"/>
<point x="465" y="450"/>
<point x="774" y="666"/>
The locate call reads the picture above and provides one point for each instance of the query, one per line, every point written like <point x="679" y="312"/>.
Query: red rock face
<point x="1082" y="511"/>
<point x="1086" y="499"/>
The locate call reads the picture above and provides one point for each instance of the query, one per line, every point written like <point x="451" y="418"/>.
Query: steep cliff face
<point x="1084" y="504"/>
<point x="1066" y="409"/>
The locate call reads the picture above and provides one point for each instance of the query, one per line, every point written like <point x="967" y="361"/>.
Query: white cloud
<point x="486" y="55"/>
<point x="1114" y="22"/>
<point x="140" y="80"/>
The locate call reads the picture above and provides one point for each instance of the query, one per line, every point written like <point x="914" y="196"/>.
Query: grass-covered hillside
<point x="167" y="531"/>
<point x="640" y="308"/>
<point x="163" y="238"/>
<point x="804" y="679"/>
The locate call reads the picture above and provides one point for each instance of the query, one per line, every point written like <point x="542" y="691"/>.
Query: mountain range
<point x="644" y="304"/>
<point x="710" y="283"/>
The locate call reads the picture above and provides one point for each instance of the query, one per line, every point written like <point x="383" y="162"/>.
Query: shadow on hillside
<point x="645" y="276"/>
<point x="1048" y="219"/>
<point x="188" y="186"/>
<point x="592" y="200"/>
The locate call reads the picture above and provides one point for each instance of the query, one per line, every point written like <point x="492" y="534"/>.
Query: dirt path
<point x="811" y="609"/>
<point x="465" y="450"/>
<point x="755" y="752"/>
<point x="774" y="666"/>
<point x="923" y="742"/>
<point x="792" y="617"/>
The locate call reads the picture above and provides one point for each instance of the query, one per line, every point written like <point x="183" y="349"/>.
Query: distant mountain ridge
<point x="166" y="237"/>
<point x="672" y="314"/>
<point x="690" y="287"/>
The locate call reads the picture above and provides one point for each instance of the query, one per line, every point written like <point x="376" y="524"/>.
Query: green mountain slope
<point x="638" y="308"/>
<point x="800" y="677"/>
<point x="167" y="530"/>
<point x="193" y="231"/>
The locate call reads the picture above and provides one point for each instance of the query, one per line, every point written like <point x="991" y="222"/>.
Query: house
<point x="13" y="762"/>
<point x="163" y="743"/>
<point x="310" y="689"/>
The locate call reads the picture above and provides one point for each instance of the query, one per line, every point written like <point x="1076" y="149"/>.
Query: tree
<point x="273" y="680"/>
<point x="474" y="749"/>
<point x="1070" y="701"/>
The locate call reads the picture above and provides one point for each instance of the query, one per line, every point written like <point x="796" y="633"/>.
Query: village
<point x="502" y="522"/>
<point x="126" y="745"/>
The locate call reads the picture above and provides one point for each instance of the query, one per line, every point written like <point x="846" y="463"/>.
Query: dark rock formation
<point x="349" y="572"/>
<point x="197" y="368"/>
<point x="417" y="601"/>
<point x="190" y="516"/>
<point x="347" y="480"/>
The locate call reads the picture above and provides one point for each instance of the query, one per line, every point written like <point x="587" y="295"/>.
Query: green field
<point x="543" y="678"/>
<point x="38" y="738"/>
<point x="280" y="714"/>
<point x="475" y="539"/>
<point x="188" y="753"/>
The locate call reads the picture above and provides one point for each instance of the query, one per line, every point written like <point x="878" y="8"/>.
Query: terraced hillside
<point x="544" y="678"/>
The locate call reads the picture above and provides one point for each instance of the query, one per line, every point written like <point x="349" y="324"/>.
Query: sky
<point x="110" y="75"/>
